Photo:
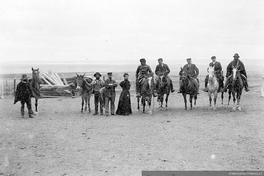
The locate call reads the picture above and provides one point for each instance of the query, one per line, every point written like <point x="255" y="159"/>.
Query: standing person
<point x="240" y="66"/>
<point x="192" y="71"/>
<point x="163" y="70"/>
<point x="110" y="86"/>
<point x="218" y="73"/>
<point x="97" y="84"/>
<point x="23" y="94"/>
<point x="143" y="71"/>
<point x="124" y="104"/>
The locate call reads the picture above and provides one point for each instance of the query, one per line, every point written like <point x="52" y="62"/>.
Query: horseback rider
<point x="192" y="71"/>
<point x="143" y="71"/>
<point x="23" y="94"/>
<point x="218" y="73"/>
<point x="163" y="70"/>
<point x="240" y="66"/>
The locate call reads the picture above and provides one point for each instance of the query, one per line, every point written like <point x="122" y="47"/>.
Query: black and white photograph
<point x="131" y="88"/>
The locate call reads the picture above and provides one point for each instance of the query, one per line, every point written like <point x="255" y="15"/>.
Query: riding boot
<point x="22" y="112"/>
<point x="246" y="85"/>
<point x="171" y="85"/>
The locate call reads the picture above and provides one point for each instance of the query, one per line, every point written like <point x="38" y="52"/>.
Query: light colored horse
<point x="235" y="88"/>
<point x="213" y="87"/>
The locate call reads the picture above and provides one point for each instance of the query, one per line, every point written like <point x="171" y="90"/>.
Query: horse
<point x="235" y="88"/>
<point x="188" y="86"/>
<point x="213" y="87"/>
<point x="163" y="88"/>
<point x="84" y="84"/>
<point x="35" y="87"/>
<point x="146" y="91"/>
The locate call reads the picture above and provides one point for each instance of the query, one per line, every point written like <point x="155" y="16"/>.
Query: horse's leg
<point x="82" y="104"/>
<point x="138" y="103"/>
<point x="185" y="101"/>
<point x="229" y="97"/>
<point x="166" y="100"/>
<point x="238" y="100"/>
<point x="234" y="100"/>
<point x="36" y="106"/>
<point x="222" y="98"/>
<point x="144" y="104"/>
<point x="89" y="105"/>
<point x="191" y="97"/>
<point x="149" y="104"/>
<point x="85" y="101"/>
<point x="161" y="100"/>
<point x="215" y="98"/>
<point x="210" y="99"/>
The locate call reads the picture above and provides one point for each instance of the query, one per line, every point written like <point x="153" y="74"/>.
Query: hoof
<point x="239" y="108"/>
<point x="234" y="108"/>
<point x="35" y="113"/>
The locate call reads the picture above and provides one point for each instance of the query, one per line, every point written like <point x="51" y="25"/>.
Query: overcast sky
<point x="111" y="31"/>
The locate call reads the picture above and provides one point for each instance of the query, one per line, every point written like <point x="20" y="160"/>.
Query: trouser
<point x="97" y="100"/>
<point x="107" y="100"/>
<point x="28" y="102"/>
<point x="219" y="78"/>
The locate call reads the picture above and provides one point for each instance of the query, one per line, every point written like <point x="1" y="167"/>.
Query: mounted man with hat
<point x="97" y="84"/>
<point x="23" y="94"/>
<point x="218" y="73"/>
<point x="163" y="69"/>
<point x="143" y="71"/>
<point x="191" y="70"/>
<point x="238" y="64"/>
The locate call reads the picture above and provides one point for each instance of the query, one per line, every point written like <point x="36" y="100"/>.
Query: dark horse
<point x="189" y="86"/>
<point x="84" y="84"/>
<point x="163" y="88"/>
<point x="235" y="88"/>
<point x="146" y="91"/>
<point x="35" y="87"/>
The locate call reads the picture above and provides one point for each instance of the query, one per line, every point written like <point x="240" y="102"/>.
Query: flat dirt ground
<point x="61" y="141"/>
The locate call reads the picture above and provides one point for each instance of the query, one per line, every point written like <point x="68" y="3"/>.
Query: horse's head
<point x="35" y="75"/>
<point x="211" y="73"/>
<point x="235" y="73"/>
<point x="147" y="86"/>
<point x="79" y="81"/>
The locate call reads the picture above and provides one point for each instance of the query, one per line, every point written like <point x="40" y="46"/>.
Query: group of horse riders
<point x="23" y="92"/>
<point x="162" y="69"/>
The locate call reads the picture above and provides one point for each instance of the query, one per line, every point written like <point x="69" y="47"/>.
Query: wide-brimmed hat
<point x="24" y="77"/>
<point x="213" y="57"/>
<point x="189" y="59"/>
<point x="125" y="74"/>
<point x="160" y="59"/>
<point x="109" y="73"/>
<point x="142" y="60"/>
<point x="97" y="73"/>
<point x="236" y="55"/>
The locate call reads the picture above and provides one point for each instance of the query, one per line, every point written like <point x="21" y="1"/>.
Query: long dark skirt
<point x="124" y="104"/>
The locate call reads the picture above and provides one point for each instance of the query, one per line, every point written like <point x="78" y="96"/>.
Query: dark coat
<point x="239" y="65"/>
<point x="162" y="69"/>
<point x="193" y="71"/>
<point x="124" y="104"/>
<point x="110" y="88"/>
<point x="143" y="70"/>
<point x="23" y="92"/>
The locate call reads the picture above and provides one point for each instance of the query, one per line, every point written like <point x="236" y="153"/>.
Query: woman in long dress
<point x="124" y="104"/>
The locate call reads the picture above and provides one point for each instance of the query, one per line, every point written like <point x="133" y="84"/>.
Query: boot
<point x="22" y="112"/>
<point x="246" y="86"/>
<point x="30" y="113"/>
<point x="172" y="90"/>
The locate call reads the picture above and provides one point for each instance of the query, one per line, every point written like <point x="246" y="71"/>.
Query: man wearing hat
<point x="191" y="70"/>
<point x="97" y="84"/>
<point x="23" y="94"/>
<point x="110" y="93"/>
<point x="218" y="73"/>
<point x="240" y="66"/>
<point x="163" y="70"/>
<point x="143" y="71"/>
